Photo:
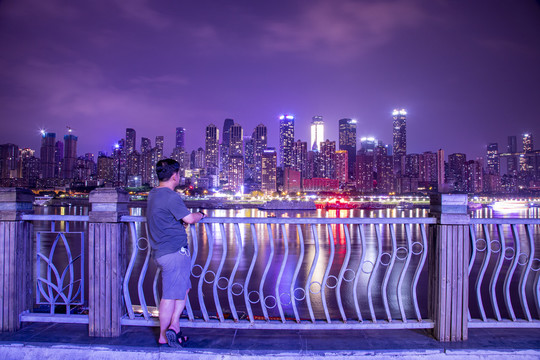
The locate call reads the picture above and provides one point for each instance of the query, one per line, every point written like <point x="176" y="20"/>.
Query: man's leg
<point x="178" y="308"/>
<point x="166" y="310"/>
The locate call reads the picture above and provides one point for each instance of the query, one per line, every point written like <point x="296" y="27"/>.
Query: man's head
<point x="166" y="168"/>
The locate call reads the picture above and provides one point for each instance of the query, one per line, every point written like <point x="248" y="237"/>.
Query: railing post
<point x="106" y="260"/>
<point x="15" y="256"/>
<point x="448" y="267"/>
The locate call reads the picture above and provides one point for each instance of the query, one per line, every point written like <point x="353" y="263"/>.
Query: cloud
<point x="140" y="11"/>
<point x="340" y="30"/>
<point x="164" y="80"/>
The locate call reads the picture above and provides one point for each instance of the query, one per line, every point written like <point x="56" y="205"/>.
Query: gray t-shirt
<point x="164" y="211"/>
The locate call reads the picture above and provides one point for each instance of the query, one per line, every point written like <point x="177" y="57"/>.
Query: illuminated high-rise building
<point x="260" y="142"/>
<point x="528" y="145"/>
<point x="385" y="172"/>
<point x="9" y="161"/>
<point x="300" y="158"/>
<point x="131" y="141"/>
<point x="493" y="158"/>
<point x="342" y="167"/>
<point x="456" y="166"/>
<point x="347" y="141"/>
<point x="473" y="177"/>
<point x="411" y="166"/>
<point x="146" y="145"/>
<point x="327" y="159"/>
<point x="440" y="170"/>
<point x="236" y="140"/>
<point x="268" y="176"/>
<point x="48" y="141"/>
<point x="58" y="159"/>
<point x="180" y="137"/>
<point x="286" y="139"/>
<point x="70" y="156"/>
<point x="428" y="168"/>
<point x="367" y="145"/>
<point x="317" y="133"/>
<point x="399" y="137"/>
<point x="159" y="147"/>
<point x="364" y="173"/>
<point x="224" y="148"/>
<point x="212" y="149"/>
<point x="200" y="159"/>
<point x="236" y="173"/>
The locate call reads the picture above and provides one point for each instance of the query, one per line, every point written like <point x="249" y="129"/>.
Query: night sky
<point x="468" y="72"/>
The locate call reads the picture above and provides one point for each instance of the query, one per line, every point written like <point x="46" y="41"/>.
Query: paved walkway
<point x="63" y="341"/>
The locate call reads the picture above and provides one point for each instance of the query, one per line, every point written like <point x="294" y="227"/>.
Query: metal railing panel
<point x="280" y="275"/>
<point x="324" y="283"/>
<point x="342" y="271"/>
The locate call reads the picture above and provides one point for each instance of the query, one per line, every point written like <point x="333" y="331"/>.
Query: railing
<point x="292" y="273"/>
<point x="504" y="273"/>
<point x="299" y="273"/>
<point x="60" y="269"/>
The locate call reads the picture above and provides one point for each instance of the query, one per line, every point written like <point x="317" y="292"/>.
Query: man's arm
<point x="193" y="217"/>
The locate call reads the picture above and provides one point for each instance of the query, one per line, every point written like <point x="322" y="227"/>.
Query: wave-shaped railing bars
<point x="292" y="274"/>
<point x="505" y="256"/>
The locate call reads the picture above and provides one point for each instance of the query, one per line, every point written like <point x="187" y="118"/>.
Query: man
<point x="166" y="214"/>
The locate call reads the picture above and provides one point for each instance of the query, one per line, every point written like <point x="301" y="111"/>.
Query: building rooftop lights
<point x="399" y="112"/>
<point x="353" y="121"/>
<point x="42" y="132"/>
<point x="282" y="117"/>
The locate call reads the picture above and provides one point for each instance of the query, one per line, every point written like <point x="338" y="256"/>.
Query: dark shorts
<point x="175" y="273"/>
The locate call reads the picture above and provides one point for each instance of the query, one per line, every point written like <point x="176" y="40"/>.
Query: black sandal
<point x="172" y="340"/>
<point x="182" y="340"/>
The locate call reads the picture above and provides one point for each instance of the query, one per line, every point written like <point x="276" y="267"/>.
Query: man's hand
<point x="194" y="217"/>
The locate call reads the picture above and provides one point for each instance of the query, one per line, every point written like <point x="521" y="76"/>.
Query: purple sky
<point x="468" y="72"/>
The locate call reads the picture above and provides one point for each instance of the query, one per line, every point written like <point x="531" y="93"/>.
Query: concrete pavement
<point x="71" y="341"/>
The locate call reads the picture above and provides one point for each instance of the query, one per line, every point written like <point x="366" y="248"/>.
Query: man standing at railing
<point x="166" y="216"/>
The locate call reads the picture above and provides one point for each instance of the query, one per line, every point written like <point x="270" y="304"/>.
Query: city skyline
<point x="465" y="72"/>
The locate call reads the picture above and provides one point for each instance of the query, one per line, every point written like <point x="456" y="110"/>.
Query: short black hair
<point x="165" y="168"/>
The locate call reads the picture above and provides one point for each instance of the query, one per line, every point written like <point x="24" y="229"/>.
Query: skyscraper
<point x="130" y="140"/>
<point x="456" y="165"/>
<point x="9" y="161"/>
<point x="512" y="145"/>
<point x="440" y="170"/>
<point x="493" y="158"/>
<point x="342" y="167"/>
<point x="70" y="155"/>
<point x="159" y="147"/>
<point x="399" y="137"/>
<point x="385" y="173"/>
<point x="236" y="140"/>
<point x="317" y="133"/>
<point x="528" y="143"/>
<point x="347" y="141"/>
<point x="236" y="173"/>
<point x="268" y="176"/>
<point x="180" y="137"/>
<point x="260" y="142"/>
<point x="364" y="173"/>
<point x="47" y="151"/>
<point x="286" y="139"/>
<point x="146" y="145"/>
<point x="212" y="149"/>
<point x="300" y="160"/>
<point x="328" y="159"/>
<point x="367" y="145"/>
